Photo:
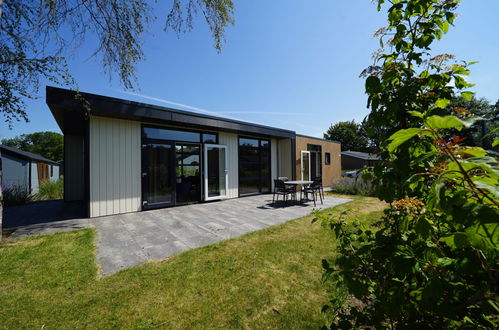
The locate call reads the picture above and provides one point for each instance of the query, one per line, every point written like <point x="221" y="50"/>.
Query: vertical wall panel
<point x="114" y="166"/>
<point x="232" y="143"/>
<point x="74" y="160"/>
<point x="284" y="158"/>
<point x="274" y="163"/>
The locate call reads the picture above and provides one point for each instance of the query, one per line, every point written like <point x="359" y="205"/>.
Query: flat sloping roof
<point x="70" y="114"/>
<point x="360" y="155"/>
<point x="317" y="138"/>
<point x="25" y="155"/>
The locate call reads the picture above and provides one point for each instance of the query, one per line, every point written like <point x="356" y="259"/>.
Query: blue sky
<point x="289" y="64"/>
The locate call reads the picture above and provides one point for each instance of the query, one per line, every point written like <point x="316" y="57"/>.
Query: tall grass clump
<point x="51" y="189"/>
<point x="15" y="195"/>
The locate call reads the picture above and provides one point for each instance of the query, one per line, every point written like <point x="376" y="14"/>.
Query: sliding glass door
<point x="157" y="175"/>
<point x="305" y="165"/>
<point x="254" y="166"/>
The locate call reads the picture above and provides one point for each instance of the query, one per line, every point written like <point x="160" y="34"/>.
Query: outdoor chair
<point x="280" y="188"/>
<point x="283" y="178"/>
<point x="318" y="181"/>
<point x="313" y="189"/>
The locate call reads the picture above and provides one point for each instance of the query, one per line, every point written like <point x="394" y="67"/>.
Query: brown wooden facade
<point x="330" y="172"/>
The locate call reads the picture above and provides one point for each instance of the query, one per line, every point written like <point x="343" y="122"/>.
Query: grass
<point x="265" y="279"/>
<point x="51" y="189"/>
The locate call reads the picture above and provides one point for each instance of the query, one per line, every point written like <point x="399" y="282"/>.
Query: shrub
<point x="51" y="190"/>
<point x="353" y="186"/>
<point x="15" y="195"/>
<point x="431" y="262"/>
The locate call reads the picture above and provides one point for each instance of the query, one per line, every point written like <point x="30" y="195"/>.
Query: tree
<point x="35" y="37"/>
<point x="476" y="134"/>
<point x="46" y="144"/>
<point x="431" y="261"/>
<point x="349" y="134"/>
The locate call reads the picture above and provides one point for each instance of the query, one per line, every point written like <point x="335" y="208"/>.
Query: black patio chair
<point x="280" y="188"/>
<point x="318" y="181"/>
<point x="313" y="189"/>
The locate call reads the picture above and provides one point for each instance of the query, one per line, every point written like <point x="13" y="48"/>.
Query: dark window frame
<point x="145" y="139"/>
<point x="327" y="158"/>
<point x="200" y="132"/>
<point x="260" y="183"/>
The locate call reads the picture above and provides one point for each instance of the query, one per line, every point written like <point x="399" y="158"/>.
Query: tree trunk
<point x="1" y="196"/>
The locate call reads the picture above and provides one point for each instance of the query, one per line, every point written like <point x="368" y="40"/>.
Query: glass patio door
<point x="215" y="172"/>
<point x="305" y="165"/>
<point x="157" y="175"/>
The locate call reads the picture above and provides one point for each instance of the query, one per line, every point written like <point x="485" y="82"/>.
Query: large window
<point x="254" y="166"/>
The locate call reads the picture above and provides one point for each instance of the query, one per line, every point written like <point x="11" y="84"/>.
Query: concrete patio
<point x="130" y="239"/>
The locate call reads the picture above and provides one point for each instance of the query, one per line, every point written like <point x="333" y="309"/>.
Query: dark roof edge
<point x="26" y="155"/>
<point x="61" y="96"/>
<point x="360" y="155"/>
<point x="316" y="138"/>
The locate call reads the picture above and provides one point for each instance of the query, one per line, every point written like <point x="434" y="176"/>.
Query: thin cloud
<point x="215" y="113"/>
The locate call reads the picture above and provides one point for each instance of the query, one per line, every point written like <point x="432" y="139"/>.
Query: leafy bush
<point x="15" y="195"/>
<point x="353" y="186"/>
<point x="51" y="189"/>
<point x="432" y="261"/>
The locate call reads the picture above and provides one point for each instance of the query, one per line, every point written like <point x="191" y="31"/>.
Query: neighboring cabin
<point x="25" y="169"/>
<point x="353" y="160"/>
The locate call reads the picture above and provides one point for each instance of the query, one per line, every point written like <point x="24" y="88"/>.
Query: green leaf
<point x="467" y="95"/>
<point x="401" y="137"/>
<point x="456" y="240"/>
<point x="415" y="114"/>
<point x="496" y="142"/>
<point x="373" y="84"/>
<point x="439" y="122"/>
<point x="442" y="103"/>
<point x="473" y="151"/>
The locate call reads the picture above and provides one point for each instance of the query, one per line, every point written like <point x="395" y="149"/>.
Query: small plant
<point x="51" y="190"/>
<point x="353" y="186"/>
<point x="15" y="195"/>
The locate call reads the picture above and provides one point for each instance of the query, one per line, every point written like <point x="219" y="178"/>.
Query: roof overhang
<point x="69" y="110"/>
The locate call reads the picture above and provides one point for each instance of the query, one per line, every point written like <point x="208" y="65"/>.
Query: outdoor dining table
<point x="297" y="183"/>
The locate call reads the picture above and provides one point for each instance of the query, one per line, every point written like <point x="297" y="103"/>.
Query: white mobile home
<point x="123" y="156"/>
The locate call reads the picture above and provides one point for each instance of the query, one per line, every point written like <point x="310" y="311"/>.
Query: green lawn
<point x="265" y="279"/>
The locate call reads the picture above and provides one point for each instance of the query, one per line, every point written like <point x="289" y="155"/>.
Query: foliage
<point x="15" y="195"/>
<point x="35" y="37"/>
<point x="349" y="134"/>
<point x="478" y="134"/>
<point x="432" y="260"/>
<point x="50" y="189"/>
<point x="352" y="186"/>
<point x="46" y="144"/>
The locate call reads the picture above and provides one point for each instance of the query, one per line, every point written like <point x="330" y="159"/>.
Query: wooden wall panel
<point x="330" y="173"/>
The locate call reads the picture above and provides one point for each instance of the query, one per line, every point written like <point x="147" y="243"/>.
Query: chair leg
<point x="273" y="197"/>
<point x="320" y="195"/>
<point x="314" y="197"/>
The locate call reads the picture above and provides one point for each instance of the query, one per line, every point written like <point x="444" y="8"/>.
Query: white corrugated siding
<point x="231" y="141"/>
<point x="115" y="185"/>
